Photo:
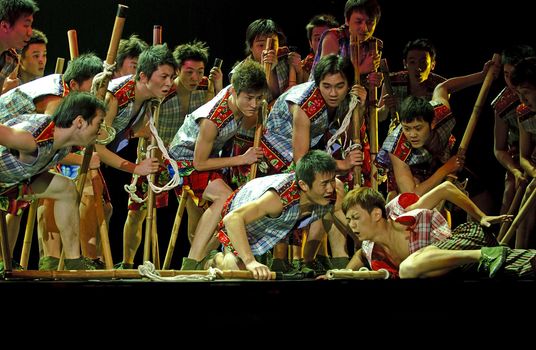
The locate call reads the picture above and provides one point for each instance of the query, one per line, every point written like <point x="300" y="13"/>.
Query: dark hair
<point x="416" y="108"/>
<point x="524" y="72"/>
<point x="12" y="10"/>
<point x="75" y="104"/>
<point x="195" y="51"/>
<point x="154" y="57"/>
<point x="38" y="37"/>
<point x="422" y="44"/>
<point x="513" y="54"/>
<point x="366" y="197"/>
<point x="131" y="47"/>
<point x="370" y="7"/>
<point x="312" y="163"/>
<point x="82" y="68"/>
<point x="260" y="27"/>
<point x="249" y="76"/>
<point x="333" y="64"/>
<point x="320" y="21"/>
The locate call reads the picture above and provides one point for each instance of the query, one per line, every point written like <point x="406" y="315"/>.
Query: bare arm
<point x="448" y="191"/>
<point x="20" y="140"/>
<point x="208" y="131"/>
<point x="301" y="132"/>
<point x="406" y="182"/>
<point x="269" y="204"/>
<point x="444" y="89"/>
<point x="330" y="44"/>
<point x="357" y="261"/>
<point x="526" y="147"/>
<point x="500" y="149"/>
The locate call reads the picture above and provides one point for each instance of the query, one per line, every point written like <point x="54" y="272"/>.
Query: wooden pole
<point x="356" y="117"/>
<point x="101" y="93"/>
<point x="514" y="206"/>
<point x="73" y="43"/>
<point x="151" y="239"/>
<point x="523" y="211"/>
<point x="175" y="229"/>
<point x="4" y="243"/>
<point x="268" y="66"/>
<point x="210" y="88"/>
<point x="60" y="62"/>
<point x="481" y="99"/>
<point x="373" y="124"/>
<point x="359" y="275"/>
<point x="263" y="114"/>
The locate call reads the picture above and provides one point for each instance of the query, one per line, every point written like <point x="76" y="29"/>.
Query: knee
<point x="408" y="269"/>
<point x="68" y="190"/>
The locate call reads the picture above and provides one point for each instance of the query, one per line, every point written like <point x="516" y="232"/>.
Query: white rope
<point x="344" y="125"/>
<point x="148" y="270"/>
<point x="131" y="189"/>
<point x="108" y="71"/>
<point x="108" y="130"/>
<point x="176" y="180"/>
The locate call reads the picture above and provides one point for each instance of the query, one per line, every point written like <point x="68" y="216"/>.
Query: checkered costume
<point x="21" y="100"/>
<point x="264" y="233"/>
<point x="14" y="172"/>
<point x="422" y="161"/>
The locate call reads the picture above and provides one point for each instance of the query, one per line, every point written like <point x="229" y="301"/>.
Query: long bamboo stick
<point x="356" y="117"/>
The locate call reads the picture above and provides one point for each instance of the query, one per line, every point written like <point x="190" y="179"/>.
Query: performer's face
<point x="323" y="188"/>
<point x="129" y="66"/>
<point x="507" y="71"/>
<point x="417" y="132"/>
<point x="160" y="81"/>
<point x="249" y="102"/>
<point x="419" y="64"/>
<point x="316" y="33"/>
<point x="361" y="25"/>
<point x="191" y="73"/>
<point x="19" y="33"/>
<point x="259" y="44"/>
<point x="527" y="95"/>
<point x="91" y="130"/>
<point x="334" y="89"/>
<point x="35" y="59"/>
<point x="361" y="221"/>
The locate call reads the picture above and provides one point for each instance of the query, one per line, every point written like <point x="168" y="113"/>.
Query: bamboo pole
<point x="175" y="229"/>
<point x="263" y="114"/>
<point x="151" y="239"/>
<point x="359" y="275"/>
<point x="4" y="243"/>
<point x="514" y="206"/>
<point x="373" y="124"/>
<point x="73" y="43"/>
<point x="523" y="211"/>
<point x="210" y="88"/>
<point x="126" y="274"/>
<point x="481" y="99"/>
<point x="356" y="117"/>
<point x="268" y="66"/>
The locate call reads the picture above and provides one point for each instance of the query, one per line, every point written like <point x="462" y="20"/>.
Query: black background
<point x="465" y="33"/>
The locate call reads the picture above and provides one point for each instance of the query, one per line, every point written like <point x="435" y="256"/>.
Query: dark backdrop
<point x="466" y="35"/>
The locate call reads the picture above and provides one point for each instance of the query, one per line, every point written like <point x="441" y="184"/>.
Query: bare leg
<point x="314" y="238"/>
<point x="194" y="215"/>
<point x="47" y="230"/>
<point x="13" y="228"/>
<point x="432" y="261"/>
<point x="217" y="192"/>
<point x="509" y="192"/>
<point x="66" y="212"/>
<point x="132" y="234"/>
<point x="525" y="227"/>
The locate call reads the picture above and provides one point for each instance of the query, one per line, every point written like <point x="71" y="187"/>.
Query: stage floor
<point x="271" y="302"/>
